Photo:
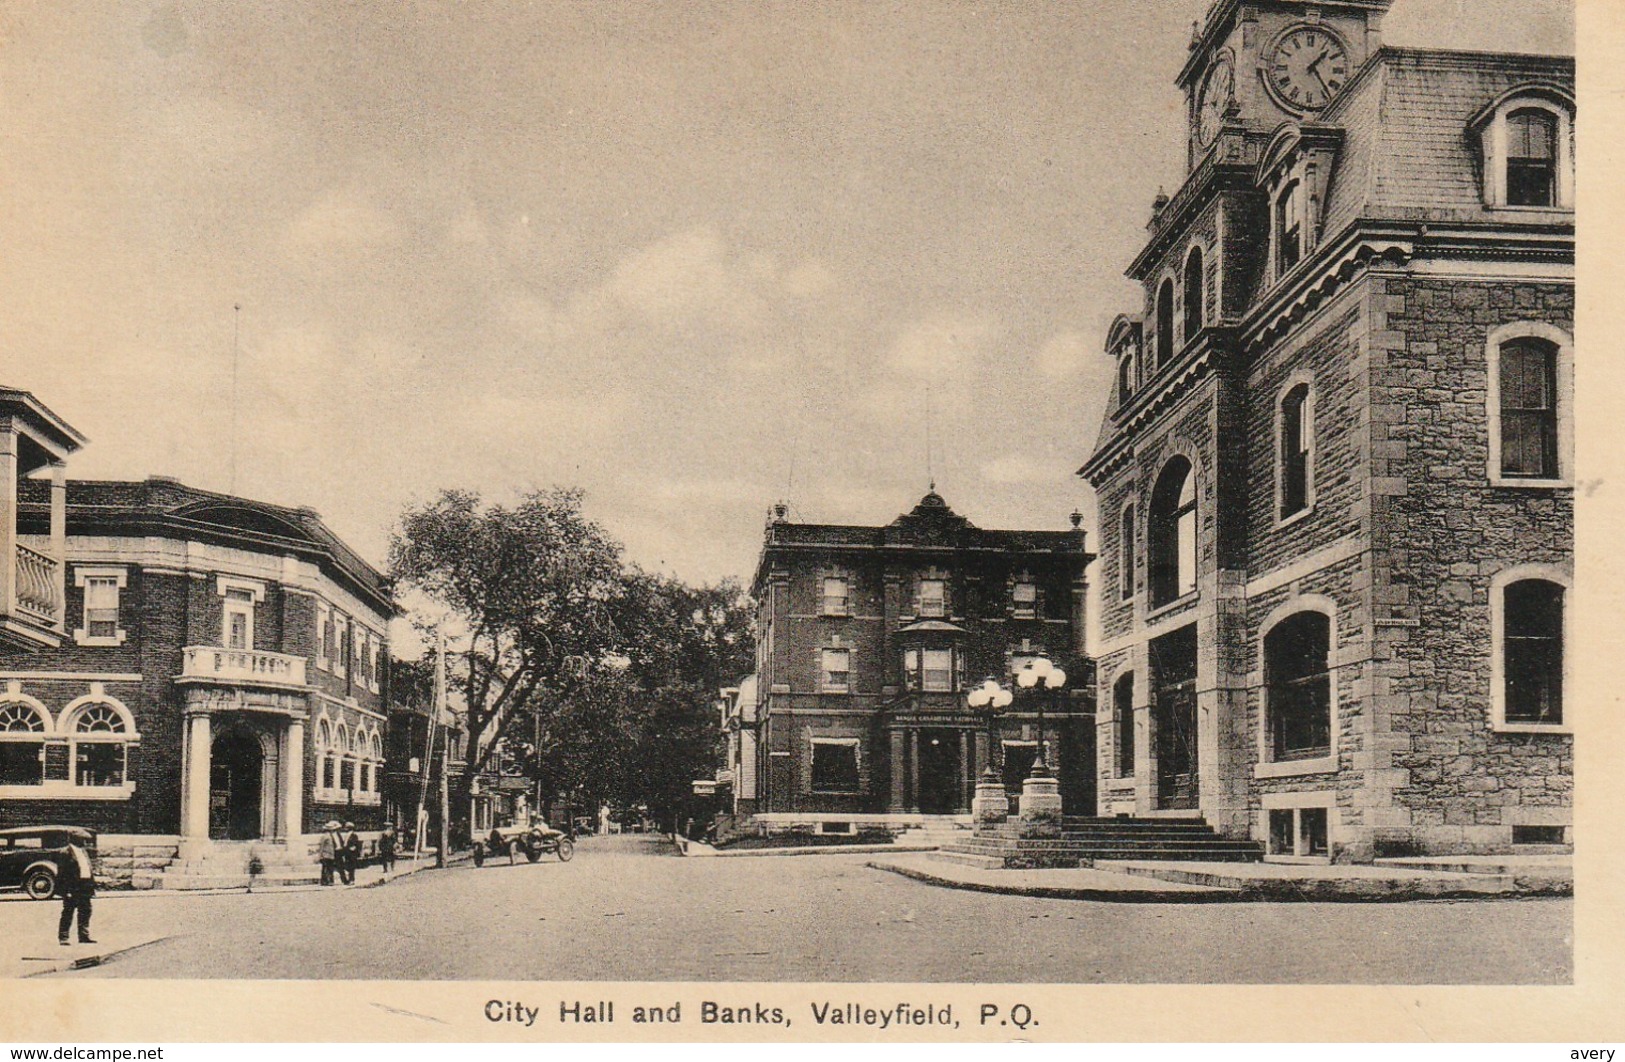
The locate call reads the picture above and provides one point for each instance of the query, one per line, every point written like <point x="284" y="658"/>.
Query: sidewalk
<point x="1182" y="882"/>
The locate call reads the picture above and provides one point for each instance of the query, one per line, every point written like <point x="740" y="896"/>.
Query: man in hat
<point x="327" y="850"/>
<point x="349" y="853"/>
<point x="78" y="884"/>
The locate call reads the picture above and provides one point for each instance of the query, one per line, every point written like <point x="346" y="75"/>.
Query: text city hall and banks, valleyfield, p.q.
<point x="900" y="1015"/>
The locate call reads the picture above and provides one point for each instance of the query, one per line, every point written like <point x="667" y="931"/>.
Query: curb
<point x="85" y="962"/>
<point x="1064" y="892"/>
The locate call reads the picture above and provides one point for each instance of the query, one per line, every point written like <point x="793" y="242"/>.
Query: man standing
<point x="349" y="853"/>
<point x="78" y="885"/>
<point x="327" y="850"/>
<point x="386" y="849"/>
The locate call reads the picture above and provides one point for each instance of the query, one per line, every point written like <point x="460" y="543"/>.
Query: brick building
<point x="868" y="639"/>
<point x="1334" y="483"/>
<point x="197" y="667"/>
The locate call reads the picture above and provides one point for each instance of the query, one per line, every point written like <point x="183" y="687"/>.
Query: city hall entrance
<point x="236" y="786"/>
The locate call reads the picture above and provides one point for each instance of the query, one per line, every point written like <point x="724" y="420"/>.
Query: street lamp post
<point x="992" y="805"/>
<point x="1041" y="793"/>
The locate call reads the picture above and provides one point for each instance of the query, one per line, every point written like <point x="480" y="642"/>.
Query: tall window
<point x="1288" y="228"/>
<point x="937" y="669"/>
<point x="933" y="597"/>
<point x="100" y="746"/>
<point x="1297" y="441"/>
<point x="835" y="598"/>
<point x="1024" y="599"/>
<point x="1195" y="294"/>
<point x="22" y="745"/>
<point x="239" y="620"/>
<point x="1171" y="535"/>
<point x="1125" y="553"/>
<point x="1532" y="652"/>
<point x="1125" y="374"/>
<point x="1298" y="683"/>
<point x="836" y="667"/>
<point x="1531" y="158"/>
<point x="1165" y="323"/>
<point x="1123" y="711"/>
<point x="1528" y="388"/>
<point x="101" y="608"/>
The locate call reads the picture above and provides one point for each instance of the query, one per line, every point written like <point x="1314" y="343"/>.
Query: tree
<point x="529" y="593"/>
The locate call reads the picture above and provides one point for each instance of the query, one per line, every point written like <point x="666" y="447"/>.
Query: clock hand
<point x="1315" y="72"/>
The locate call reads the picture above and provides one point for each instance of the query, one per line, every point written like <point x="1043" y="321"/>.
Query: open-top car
<point x="533" y="841"/>
<point x="32" y="857"/>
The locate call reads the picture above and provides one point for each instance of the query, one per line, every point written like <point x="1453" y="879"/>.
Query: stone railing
<point x="36" y="595"/>
<point x="242" y="665"/>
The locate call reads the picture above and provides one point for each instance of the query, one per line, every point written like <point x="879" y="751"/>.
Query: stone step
<point x="981" y="862"/>
<point x="1232" y="853"/>
<point x="228" y="881"/>
<point x="1060" y="843"/>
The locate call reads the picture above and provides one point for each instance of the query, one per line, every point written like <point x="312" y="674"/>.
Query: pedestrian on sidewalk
<point x="78" y="885"/>
<point x="349" y="853"/>
<point x="327" y="850"/>
<point x="386" y="849"/>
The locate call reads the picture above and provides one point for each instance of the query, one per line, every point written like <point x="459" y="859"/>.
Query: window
<point x="99" y="746"/>
<point x="1024" y="599"/>
<point x="1298" y="687"/>
<point x="1526" y="148"/>
<point x="1165" y="323"/>
<point x="22" y="744"/>
<point x="1195" y="294"/>
<point x="101" y="619"/>
<point x="1297" y="444"/>
<point x="835" y="596"/>
<point x="1123" y="712"/>
<point x="1531" y="158"/>
<point x="937" y="670"/>
<point x="1288" y="228"/>
<point x="1125" y="554"/>
<point x="324" y="636"/>
<point x="835" y="765"/>
<point x="1532" y="652"/>
<point x="1299" y="832"/>
<point x="933" y="597"/>
<point x="341" y="645"/>
<point x="836" y="665"/>
<point x="1527" y="376"/>
<point x="1125" y="374"/>
<point x="1172" y="533"/>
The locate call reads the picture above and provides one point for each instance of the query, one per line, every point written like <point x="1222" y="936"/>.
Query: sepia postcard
<point x="712" y="520"/>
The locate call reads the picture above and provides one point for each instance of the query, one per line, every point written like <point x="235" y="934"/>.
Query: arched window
<point x="1298" y="686"/>
<point x="101" y="745"/>
<point x="1532" y="158"/>
<point x="1532" y="652"/>
<point x="1288" y="228"/>
<point x="1171" y="533"/>
<point x="1195" y="294"/>
<point x="1165" y="323"/>
<point x="1125" y="553"/>
<point x="1125" y="374"/>
<point x="22" y="744"/>
<point x="1123" y="713"/>
<point x="1527" y="376"/>
<point x="1297" y="449"/>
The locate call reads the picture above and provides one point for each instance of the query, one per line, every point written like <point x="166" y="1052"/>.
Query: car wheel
<point x="533" y="853"/>
<point x="567" y="849"/>
<point x="40" y="884"/>
<point x="479" y="854"/>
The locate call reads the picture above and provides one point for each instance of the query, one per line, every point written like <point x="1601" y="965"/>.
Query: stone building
<point x="868" y="639"/>
<point x="192" y="669"/>
<point x="1334" y="483"/>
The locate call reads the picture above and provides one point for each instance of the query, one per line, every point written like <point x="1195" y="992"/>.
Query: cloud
<point x="342" y="218"/>
<point x="691" y="278"/>
<point x="1016" y="469"/>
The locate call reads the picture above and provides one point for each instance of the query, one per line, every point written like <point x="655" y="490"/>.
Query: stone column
<point x="195" y="813"/>
<point x="899" y="774"/>
<point x="967" y="781"/>
<point x="293" y="781"/>
<point x="8" y="522"/>
<point x="59" y="539"/>
<point x="914" y="771"/>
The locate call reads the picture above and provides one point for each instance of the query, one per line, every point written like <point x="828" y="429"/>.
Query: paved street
<point x="626" y="909"/>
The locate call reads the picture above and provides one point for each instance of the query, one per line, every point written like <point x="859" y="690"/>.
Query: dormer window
<point x="1288" y="228"/>
<point x="1526" y="148"/>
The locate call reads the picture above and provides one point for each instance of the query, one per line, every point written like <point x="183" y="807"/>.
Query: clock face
<point x="1306" y="68"/>
<point x="1217" y="90"/>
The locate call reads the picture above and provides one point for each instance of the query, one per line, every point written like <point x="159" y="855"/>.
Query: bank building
<point x="1335" y="478"/>
<point x="198" y="677"/>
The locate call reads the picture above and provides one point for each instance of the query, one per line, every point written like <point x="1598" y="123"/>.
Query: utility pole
<point x="445" y="747"/>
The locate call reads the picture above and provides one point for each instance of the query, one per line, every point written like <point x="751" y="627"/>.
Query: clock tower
<point x="1258" y="63"/>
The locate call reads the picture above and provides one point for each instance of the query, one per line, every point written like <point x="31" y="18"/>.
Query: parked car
<point x="31" y="857"/>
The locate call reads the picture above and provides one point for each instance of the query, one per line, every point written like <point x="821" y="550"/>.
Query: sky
<point x="694" y="258"/>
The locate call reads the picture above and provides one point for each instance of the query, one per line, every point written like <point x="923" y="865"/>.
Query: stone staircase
<point x="941" y="831"/>
<point x="1083" y="840"/>
<point x="133" y="861"/>
<point x="225" y="866"/>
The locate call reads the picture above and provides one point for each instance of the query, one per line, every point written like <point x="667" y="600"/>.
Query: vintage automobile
<point x="532" y="842"/>
<point x="31" y="857"/>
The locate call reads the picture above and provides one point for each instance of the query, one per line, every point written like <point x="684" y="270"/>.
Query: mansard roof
<point x="165" y="508"/>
